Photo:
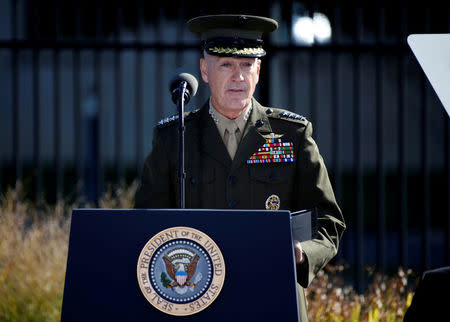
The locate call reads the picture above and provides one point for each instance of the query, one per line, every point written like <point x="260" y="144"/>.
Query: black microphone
<point x="178" y="81"/>
<point x="182" y="86"/>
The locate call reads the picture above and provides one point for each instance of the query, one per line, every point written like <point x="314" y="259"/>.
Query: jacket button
<point x="269" y="111"/>
<point x="232" y="203"/>
<point x="232" y="180"/>
<point x="259" y="123"/>
<point x="192" y="180"/>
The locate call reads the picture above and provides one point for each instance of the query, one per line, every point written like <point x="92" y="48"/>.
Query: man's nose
<point x="237" y="74"/>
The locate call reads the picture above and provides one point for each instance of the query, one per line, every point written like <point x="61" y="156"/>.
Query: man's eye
<point x="247" y="64"/>
<point x="226" y="64"/>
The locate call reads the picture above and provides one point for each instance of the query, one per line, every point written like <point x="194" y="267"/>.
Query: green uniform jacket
<point x="214" y="181"/>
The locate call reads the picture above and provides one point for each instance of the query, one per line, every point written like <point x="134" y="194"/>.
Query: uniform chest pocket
<point x="199" y="175"/>
<point x="272" y="174"/>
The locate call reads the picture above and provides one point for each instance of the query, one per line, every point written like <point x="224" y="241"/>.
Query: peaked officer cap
<point x="232" y="35"/>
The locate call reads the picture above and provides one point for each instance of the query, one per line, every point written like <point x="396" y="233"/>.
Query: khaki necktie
<point x="232" y="142"/>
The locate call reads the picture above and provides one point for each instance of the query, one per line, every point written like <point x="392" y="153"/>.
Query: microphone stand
<point x="180" y="105"/>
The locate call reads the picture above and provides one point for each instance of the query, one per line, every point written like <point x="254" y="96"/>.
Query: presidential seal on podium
<point x="181" y="271"/>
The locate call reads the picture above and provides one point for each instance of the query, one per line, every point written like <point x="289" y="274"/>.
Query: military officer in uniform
<point x="240" y="154"/>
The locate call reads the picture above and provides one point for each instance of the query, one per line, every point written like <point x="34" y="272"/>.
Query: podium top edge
<point x="217" y="211"/>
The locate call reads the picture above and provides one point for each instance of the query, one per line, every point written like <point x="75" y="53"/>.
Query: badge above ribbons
<point x="273" y="151"/>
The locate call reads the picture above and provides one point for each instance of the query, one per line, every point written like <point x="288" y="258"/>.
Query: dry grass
<point x="386" y="299"/>
<point x="33" y="255"/>
<point x="119" y="197"/>
<point x="33" y="252"/>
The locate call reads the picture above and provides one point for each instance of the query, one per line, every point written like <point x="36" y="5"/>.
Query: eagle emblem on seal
<point x="181" y="265"/>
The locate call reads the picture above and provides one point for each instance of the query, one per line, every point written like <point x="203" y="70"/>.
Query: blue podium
<point x="164" y="265"/>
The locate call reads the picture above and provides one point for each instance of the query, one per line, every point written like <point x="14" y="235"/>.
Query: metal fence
<point x="83" y="84"/>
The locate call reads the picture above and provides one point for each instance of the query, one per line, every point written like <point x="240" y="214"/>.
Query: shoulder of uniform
<point x="282" y="114"/>
<point x="171" y="120"/>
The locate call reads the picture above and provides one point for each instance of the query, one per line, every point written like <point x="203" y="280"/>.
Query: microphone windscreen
<point x="192" y="83"/>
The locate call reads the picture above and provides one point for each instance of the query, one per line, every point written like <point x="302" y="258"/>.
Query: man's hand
<point x="299" y="254"/>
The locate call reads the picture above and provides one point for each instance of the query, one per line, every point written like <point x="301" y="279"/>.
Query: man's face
<point x="232" y="82"/>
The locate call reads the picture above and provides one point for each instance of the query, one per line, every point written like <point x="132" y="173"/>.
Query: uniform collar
<point x="256" y="131"/>
<point x="222" y="121"/>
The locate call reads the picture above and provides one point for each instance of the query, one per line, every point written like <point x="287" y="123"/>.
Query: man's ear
<point x="203" y="70"/>
<point x="258" y="67"/>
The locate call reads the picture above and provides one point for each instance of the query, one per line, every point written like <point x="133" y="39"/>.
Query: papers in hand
<point x="304" y="224"/>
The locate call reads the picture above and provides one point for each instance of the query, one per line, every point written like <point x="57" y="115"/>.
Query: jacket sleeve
<point x="156" y="186"/>
<point x="314" y="190"/>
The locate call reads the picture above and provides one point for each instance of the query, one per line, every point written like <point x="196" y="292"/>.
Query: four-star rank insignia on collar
<point x="168" y="120"/>
<point x="273" y="151"/>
